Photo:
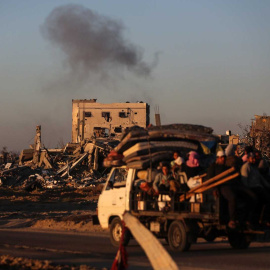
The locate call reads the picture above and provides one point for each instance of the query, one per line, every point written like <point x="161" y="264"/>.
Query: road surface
<point x="94" y="249"/>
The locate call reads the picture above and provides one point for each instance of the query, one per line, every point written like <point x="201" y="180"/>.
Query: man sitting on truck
<point x="252" y="179"/>
<point x="177" y="160"/>
<point x="225" y="189"/>
<point x="262" y="165"/>
<point x="162" y="179"/>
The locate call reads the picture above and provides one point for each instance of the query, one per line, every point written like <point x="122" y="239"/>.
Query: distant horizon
<point x="152" y="121"/>
<point x="60" y="141"/>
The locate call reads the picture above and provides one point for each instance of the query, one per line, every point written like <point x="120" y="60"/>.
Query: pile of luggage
<point x="143" y="148"/>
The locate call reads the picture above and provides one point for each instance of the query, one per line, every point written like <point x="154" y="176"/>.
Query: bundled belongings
<point x="213" y="182"/>
<point x="154" y="153"/>
<point x="142" y="148"/>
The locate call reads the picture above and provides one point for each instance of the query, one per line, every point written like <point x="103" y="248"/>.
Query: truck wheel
<point x="239" y="240"/>
<point x="116" y="233"/>
<point x="178" y="237"/>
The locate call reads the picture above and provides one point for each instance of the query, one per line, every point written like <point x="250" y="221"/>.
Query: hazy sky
<point x="212" y="69"/>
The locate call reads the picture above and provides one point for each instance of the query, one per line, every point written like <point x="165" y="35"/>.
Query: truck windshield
<point x="118" y="178"/>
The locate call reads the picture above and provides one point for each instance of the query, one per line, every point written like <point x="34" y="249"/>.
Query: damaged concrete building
<point x="229" y="138"/>
<point x="96" y="130"/>
<point x="91" y="119"/>
<point x="260" y="133"/>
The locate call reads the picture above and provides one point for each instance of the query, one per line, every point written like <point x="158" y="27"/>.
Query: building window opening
<point x="88" y="114"/>
<point x="118" y="129"/>
<point x="122" y="114"/>
<point x="101" y="132"/>
<point x="107" y="116"/>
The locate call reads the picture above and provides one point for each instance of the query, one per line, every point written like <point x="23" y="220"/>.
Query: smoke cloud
<point x="92" y="42"/>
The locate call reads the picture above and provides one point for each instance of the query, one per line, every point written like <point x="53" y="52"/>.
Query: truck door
<point x="112" y="201"/>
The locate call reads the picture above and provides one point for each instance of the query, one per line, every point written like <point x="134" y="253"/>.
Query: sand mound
<point x="68" y="225"/>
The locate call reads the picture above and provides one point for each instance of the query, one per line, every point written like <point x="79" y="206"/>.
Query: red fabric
<point x="114" y="155"/>
<point x="121" y="259"/>
<point x="144" y="186"/>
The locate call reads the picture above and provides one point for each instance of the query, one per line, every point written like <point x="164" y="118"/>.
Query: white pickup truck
<point x="182" y="220"/>
<point x="180" y="225"/>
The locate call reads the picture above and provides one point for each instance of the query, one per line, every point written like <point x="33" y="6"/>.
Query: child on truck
<point x="162" y="179"/>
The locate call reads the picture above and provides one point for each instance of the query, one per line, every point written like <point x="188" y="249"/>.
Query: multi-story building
<point x="260" y="125"/>
<point x="90" y="118"/>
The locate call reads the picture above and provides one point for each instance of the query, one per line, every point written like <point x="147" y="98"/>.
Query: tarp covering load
<point x="141" y="148"/>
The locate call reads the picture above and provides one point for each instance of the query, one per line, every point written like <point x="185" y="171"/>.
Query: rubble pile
<point x="77" y="165"/>
<point x="142" y="148"/>
<point x="20" y="263"/>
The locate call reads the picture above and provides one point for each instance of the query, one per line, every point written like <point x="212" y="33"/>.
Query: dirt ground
<point x="12" y="263"/>
<point x="64" y="209"/>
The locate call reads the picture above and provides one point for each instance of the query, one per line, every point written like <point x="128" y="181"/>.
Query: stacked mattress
<point x="141" y="148"/>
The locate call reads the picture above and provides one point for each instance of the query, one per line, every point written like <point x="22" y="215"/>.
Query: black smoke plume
<point x="92" y="42"/>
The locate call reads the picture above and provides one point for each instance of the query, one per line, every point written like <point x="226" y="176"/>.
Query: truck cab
<point x="114" y="199"/>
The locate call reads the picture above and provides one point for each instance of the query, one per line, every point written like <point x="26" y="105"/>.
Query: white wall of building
<point x="88" y="115"/>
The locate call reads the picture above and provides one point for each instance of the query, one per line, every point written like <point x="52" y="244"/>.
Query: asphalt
<point x="94" y="249"/>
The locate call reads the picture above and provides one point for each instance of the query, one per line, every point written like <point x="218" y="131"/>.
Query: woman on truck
<point x="192" y="166"/>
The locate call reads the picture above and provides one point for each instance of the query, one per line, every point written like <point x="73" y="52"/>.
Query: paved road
<point x="96" y="250"/>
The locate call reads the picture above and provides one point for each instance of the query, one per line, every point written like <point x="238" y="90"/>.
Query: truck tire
<point x="116" y="233"/>
<point x="178" y="237"/>
<point x="239" y="240"/>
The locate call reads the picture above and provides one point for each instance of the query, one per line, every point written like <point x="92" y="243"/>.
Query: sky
<point x="201" y="62"/>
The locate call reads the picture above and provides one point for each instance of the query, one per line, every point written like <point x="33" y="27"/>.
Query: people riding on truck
<point x="243" y="194"/>
<point x="232" y="191"/>
<point x="252" y="179"/>
<point x="186" y="213"/>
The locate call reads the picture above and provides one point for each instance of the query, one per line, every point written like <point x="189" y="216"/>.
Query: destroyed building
<point x="96" y="130"/>
<point x="228" y="138"/>
<point x="260" y="124"/>
<point x="260" y="133"/>
<point x="91" y="119"/>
